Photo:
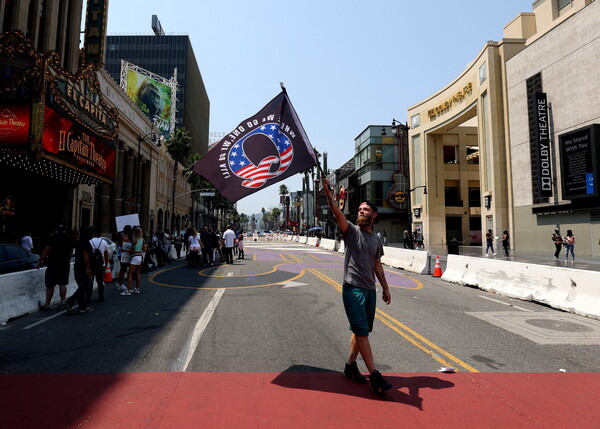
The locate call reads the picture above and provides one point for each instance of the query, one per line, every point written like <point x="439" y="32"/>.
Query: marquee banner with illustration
<point x="69" y="142"/>
<point x="154" y="95"/>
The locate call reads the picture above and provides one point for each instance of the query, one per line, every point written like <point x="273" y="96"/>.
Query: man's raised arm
<point x="339" y="216"/>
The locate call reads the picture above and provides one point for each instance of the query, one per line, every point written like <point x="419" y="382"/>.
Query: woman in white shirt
<point x="195" y="249"/>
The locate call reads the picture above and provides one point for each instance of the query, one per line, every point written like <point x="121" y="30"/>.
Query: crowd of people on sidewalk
<point x="136" y="252"/>
<point x="413" y="240"/>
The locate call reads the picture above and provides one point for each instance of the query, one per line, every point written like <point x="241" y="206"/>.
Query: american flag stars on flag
<point x="257" y="175"/>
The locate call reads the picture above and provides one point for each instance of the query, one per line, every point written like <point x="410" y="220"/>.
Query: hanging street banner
<point x="261" y="151"/>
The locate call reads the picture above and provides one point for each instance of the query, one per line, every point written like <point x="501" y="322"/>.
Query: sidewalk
<point x="538" y="258"/>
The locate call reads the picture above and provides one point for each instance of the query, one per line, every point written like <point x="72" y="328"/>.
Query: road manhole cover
<point x="550" y="327"/>
<point x="558" y="325"/>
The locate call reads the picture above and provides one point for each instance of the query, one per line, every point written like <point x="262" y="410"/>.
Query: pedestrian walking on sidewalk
<point x="138" y="248"/>
<point x="569" y="241"/>
<point x="362" y="263"/>
<point x="228" y="243"/>
<point x="489" y="240"/>
<point x="505" y="242"/>
<point x="57" y="258"/>
<point x="99" y="262"/>
<point x="241" y="245"/>
<point x="126" y="251"/>
<point x="558" y="242"/>
<point x="82" y="270"/>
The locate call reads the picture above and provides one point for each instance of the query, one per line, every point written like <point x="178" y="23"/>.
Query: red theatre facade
<point x="56" y="133"/>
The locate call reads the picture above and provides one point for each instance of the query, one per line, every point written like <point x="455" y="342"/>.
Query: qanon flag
<point x="262" y="150"/>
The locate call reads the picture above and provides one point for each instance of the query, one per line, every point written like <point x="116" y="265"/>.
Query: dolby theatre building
<point x="513" y="142"/>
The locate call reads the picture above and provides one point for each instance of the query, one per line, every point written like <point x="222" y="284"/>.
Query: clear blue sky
<point x="346" y="64"/>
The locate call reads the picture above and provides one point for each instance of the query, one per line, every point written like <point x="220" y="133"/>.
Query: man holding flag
<point x="362" y="263"/>
<point x="262" y="150"/>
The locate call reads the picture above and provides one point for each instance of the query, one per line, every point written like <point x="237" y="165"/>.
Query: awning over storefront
<point x="50" y="167"/>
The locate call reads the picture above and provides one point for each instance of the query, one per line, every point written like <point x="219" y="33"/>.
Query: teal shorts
<point x="359" y="304"/>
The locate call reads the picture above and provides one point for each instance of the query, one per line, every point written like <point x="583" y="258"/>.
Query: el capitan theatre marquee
<point x="52" y="122"/>
<point x="71" y="143"/>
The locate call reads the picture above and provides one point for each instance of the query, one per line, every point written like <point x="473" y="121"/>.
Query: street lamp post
<point x="401" y="131"/>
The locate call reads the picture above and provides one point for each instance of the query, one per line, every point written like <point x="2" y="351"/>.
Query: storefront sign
<point x="71" y="143"/>
<point x="80" y="97"/>
<point x="542" y="141"/>
<point x="447" y="105"/>
<point x="95" y="31"/>
<point x="14" y="125"/>
<point x="580" y="160"/>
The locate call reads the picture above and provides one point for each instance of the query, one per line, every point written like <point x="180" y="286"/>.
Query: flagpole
<point x="282" y="85"/>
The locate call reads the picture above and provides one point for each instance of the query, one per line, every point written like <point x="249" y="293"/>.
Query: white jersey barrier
<point x="327" y="244"/>
<point x="312" y="241"/>
<point x="564" y="288"/>
<point x="20" y="292"/>
<point x="415" y="261"/>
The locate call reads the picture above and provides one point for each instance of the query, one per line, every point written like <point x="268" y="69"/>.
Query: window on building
<point x="472" y="154"/>
<point x="417" y="179"/>
<point x="482" y="73"/>
<point x="452" y="194"/>
<point x="450" y="154"/>
<point x="563" y="3"/>
<point x="474" y="197"/>
<point x="415" y="120"/>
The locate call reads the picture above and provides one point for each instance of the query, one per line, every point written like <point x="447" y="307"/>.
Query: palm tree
<point x="179" y="147"/>
<point x="283" y="191"/>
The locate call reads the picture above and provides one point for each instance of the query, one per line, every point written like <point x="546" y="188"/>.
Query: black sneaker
<point x="378" y="384"/>
<point x="43" y="307"/>
<point x="351" y="371"/>
<point x="68" y="307"/>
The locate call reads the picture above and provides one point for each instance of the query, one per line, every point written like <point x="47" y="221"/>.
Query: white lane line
<point x="39" y="322"/>
<point x="505" y="303"/>
<point x="186" y="354"/>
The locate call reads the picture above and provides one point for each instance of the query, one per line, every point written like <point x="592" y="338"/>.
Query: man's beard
<point x="364" y="221"/>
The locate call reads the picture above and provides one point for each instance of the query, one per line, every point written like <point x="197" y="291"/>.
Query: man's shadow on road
<point x="325" y="380"/>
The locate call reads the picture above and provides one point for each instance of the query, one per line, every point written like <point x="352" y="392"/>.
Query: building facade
<point x="57" y="132"/>
<point x="161" y="55"/>
<point x="473" y="144"/>
<point x="381" y="166"/>
<point x="554" y="116"/>
<point x="74" y="149"/>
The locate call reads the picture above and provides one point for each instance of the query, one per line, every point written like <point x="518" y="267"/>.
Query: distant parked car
<point x="16" y="258"/>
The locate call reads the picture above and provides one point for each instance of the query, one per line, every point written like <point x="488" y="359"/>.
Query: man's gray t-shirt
<point x="362" y="249"/>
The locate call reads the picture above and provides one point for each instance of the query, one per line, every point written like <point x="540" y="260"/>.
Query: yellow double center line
<point x="442" y="356"/>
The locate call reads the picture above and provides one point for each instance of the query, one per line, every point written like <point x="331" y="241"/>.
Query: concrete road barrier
<point x="327" y="244"/>
<point x="564" y="288"/>
<point x="20" y="292"/>
<point x="415" y="261"/>
<point x="312" y="241"/>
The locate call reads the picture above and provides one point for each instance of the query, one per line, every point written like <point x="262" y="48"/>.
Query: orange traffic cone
<point x="108" y="273"/>
<point x="437" y="271"/>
